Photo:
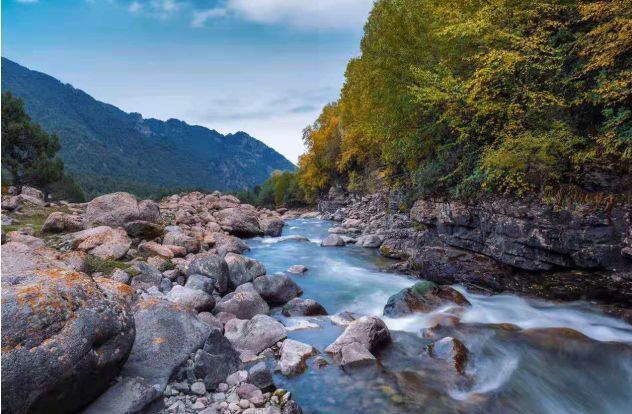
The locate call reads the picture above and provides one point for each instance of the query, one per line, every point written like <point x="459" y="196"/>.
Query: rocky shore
<point x="126" y="306"/>
<point x="502" y="245"/>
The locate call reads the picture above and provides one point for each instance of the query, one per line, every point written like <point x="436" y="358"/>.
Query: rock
<point x="242" y="269"/>
<point x="58" y="222"/>
<point x="120" y="276"/>
<point x="253" y="336"/>
<point x="310" y="215"/>
<point x="299" y="325"/>
<point x="104" y="242"/>
<point x="148" y="210"/>
<point x="224" y="244"/>
<point x="30" y="241"/>
<point x="64" y="339"/>
<point x="451" y="350"/>
<point x="112" y="210"/>
<point x="148" y="277"/>
<point x="333" y="240"/>
<point x="216" y="361"/>
<point x="126" y="396"/>
<point x="355" y="354"/>
<point x="244" y="305"/>
<point x="213" y="266"/>
<point x="424" y="296"/>
<point x="141" y="229"/>
<point x="369" y="331"/>
<point x="192" y="298"/>
<point x="19" y="258"/>
<point x="397" y="248"/>
<point x="155" y="248"/>
<point x="294" y="357"/>
<point x="211" y="321"/>
<point x="297" y="269"/>
<point x="303" y="307"/>
<point x="271" y="226"/>
<point x="250" y="392"/>
<point x="246" y="287"/>
<point x="239" y="221"/>
<point x="198" y="388"/>
<point x="179" y="238"/>
<point x="291" y="407"/>
<point x="260" y="376"/>
<point x="201" y="282"/>
<point x="369" y="241"/>
<point x="276" y="289"/>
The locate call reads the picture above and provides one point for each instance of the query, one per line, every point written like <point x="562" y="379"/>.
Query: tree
<point x="28" y="152"/>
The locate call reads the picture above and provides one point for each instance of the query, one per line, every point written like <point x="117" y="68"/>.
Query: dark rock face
<point x="276" y="289"/>
<point x="63" y="340"/>
<point x="424" y="296"/>
<point x="212" y="266"/>
<point x="450" y="350"/>
<point x="531" y="236"/>
<point x="303" y="307"/>
<point x="216" y="361"/>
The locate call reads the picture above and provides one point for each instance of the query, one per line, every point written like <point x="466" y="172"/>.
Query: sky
<point x="265" y="67"/>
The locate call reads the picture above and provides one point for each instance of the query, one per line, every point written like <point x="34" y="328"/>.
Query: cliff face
<point x="533" y="236"/>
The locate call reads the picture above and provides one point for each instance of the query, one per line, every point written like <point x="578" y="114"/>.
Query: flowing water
<point x="525" y="356"/>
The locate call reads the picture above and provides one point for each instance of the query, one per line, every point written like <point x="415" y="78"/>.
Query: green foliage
<point x="67" y="189"/>
<point x="280" y="190"/>
<point x="95" y="264"/>
<point x="28" y="153"/>
<point x="458" y="97"/>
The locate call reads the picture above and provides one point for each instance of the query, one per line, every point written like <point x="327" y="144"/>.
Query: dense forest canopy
<point x="459" y="97"/>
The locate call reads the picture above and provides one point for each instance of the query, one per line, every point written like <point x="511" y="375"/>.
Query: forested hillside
<point x="106" y="149"/>
<point x="459" y="98"/>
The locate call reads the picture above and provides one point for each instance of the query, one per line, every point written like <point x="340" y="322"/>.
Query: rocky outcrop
<point x="424" y="296"/>
<point x="63" y="340"/>
<point x="532" y="236"/>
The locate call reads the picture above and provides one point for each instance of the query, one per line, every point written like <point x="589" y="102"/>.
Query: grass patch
<point x="95" y="264"/>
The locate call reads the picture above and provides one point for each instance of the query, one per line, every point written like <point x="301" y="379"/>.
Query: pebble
<point x="219" y="396"/>
<point x="244" y="404"/>
<point x="222" y="387"/>
<point x="198" y="388"/>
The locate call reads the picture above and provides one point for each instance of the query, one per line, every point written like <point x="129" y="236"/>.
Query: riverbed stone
<point x="277" y="289"/>
<point x="212" y="266"/>
<point x="303" y="307"/>
<point x="239" y="221"/>
<point x="59" y="222"/>
<point x="297" y="269"/>
<point x="369" y="241"/>
<point x="192" y="298"/>
<point x="333" y="240"/>
<point x="451" y="350"/>
<point x="244" y="305"/>
<point x="369" y="331"/>
<point x="294" y="355"/>
<point x="250" y="337"/>
<point x="242" y="269"/>
<point x="424" y="296"/>
<point x="260" y="376"/>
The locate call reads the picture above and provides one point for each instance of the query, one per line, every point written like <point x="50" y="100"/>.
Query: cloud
<point x="162" y="9"/>
<point x="200" y="17"/>
<point x="27" y="1"/>
<point x="135" y="7"/>
<point x="343" y="15"/>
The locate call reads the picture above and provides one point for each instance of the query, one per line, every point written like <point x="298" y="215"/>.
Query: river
<point x="525" y="355"/>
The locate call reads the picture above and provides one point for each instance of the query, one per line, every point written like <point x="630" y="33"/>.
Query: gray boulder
<point x="239" y="221"/>
<point x="271" y="225"/>
<point x="368" y="331"/>
<point x="58" y="222"/>
<point x="103" y="241"/>
<point x="179" y="238"/>
<point x="64" y="339"/>
<point x="191" y="298"/>
<point x="260" y="376"/>
<point x="244" y="305"/>
<point x="216" y="361"/>
<point x="276" y="289"/>
<point x="355" y="354"/>
<point x="201" y="282"/>
<point x="255" y="335"/>
<point x="333" y="240"/>
<point x="370" y="241"/>
<point x="212" y="266"/>
<point x="242" y="269"/>
<point x="148" y="277"/>
<point x="303" y="307"/>
<point x="112" y="210"/>
<point x="294" y="355"/>
<point x="224" y="244"/>
<point x="142" y="229"/>
<point x="297" y="269"/>
<point x="424" y="296"/>
<point x="126" y="396"/>
<point x="148" y="210"/>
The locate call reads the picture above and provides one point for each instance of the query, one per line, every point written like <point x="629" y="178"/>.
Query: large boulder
<point x="179" y="238"/>
<point x="167" y="334"/>
<point x="369" y="241"/>
<point x="191" y="298"/>
<point x="369" y="331"/>
<point x="216" y="361"/>
<point x="244" y="305"/>
<point x="115" y="210"/>
<point x="424" y="296"/>
<point x="303" y="307"/>
<point x="277" y="289"/>
<point x="224" y="243"/>
<point x="201" y="282"/>
<point x="103" y="242"/>
<point x="31" y="241"/>
<point x="239" y="221"/>
<point x="148" y="210"/>
<point x="294" y="355"/>
<point x="255" y="335"/>
<point x="212" y="266"/>
<point x="63" y="340"/>
<point x="242" y="269"/>
<point x="333" y="240"/>
<point x="58" y="222"/>
<point x="143" y="229"/>
<point x="148" y="276"/>
<point x="271" y="225"/>
<point x="20" y="258"/>
<point x="155" y="248"/>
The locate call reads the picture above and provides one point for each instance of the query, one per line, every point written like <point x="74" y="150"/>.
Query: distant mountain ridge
<point x="108" y="149"/>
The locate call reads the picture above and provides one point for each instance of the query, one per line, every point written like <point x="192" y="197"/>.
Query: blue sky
<point x="262" y="66"/>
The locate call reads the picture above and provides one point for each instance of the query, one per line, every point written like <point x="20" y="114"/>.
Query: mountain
<point x="107" y="149"/>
